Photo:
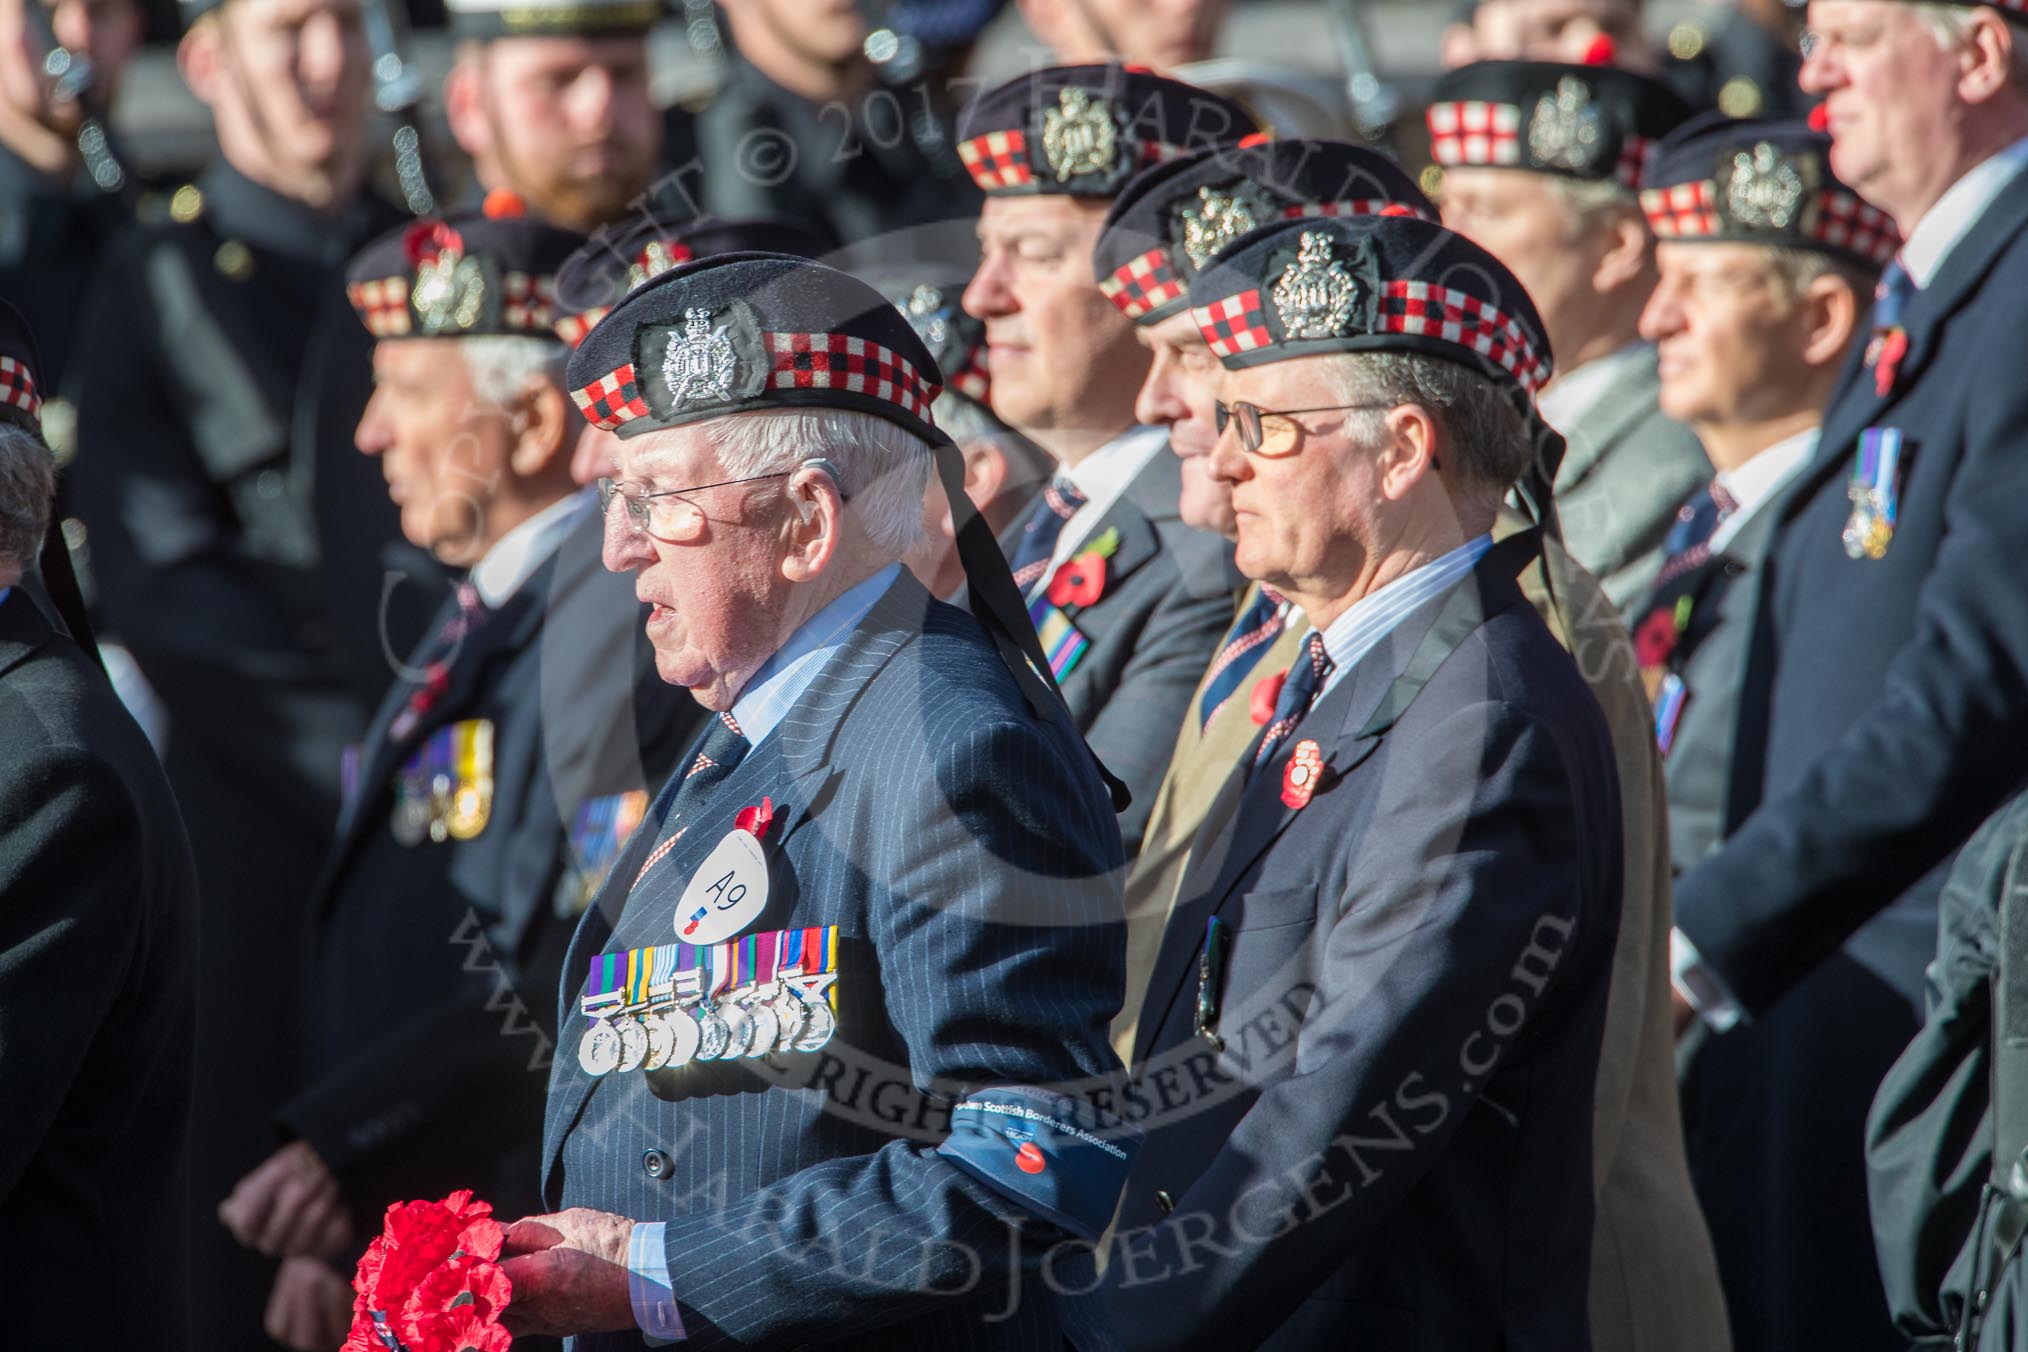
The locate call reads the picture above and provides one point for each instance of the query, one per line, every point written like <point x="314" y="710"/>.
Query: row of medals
<point x="440" y="810"/>
<point x="728" y="1031"/>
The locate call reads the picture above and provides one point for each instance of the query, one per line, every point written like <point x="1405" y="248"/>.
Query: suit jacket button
<point x="1164" y="1202"/>
<point x="656" y="1164"/>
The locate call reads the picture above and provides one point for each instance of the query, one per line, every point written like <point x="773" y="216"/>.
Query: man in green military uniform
<point x="209" y="565"/>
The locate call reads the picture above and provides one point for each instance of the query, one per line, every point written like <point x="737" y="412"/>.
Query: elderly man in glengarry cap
<point x="821" y="1024"/>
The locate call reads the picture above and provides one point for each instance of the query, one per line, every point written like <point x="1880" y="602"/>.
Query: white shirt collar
<point x="1760" y="481"/>
<point x="772" y="691"/>
<point x="1958" y="210"/>
<point x="516" y="555"/>
<point x="1102" y="477"/>
<point x="1574" y="393"/>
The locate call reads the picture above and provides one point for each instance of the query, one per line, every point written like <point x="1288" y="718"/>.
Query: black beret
<point x="550" y="18"/>
<point x="745" y="331"/>
<point x="1588" y="122"/>
<point x="619" y="257"/>
<point x="1761" y="182"/>
<point x="956" y="339"/>
<point x="20" y="371"/>
<point x="1170" y="219"/>
<point x="472" y="274"/>
<point x="1368" y="284"/>
<point x="1083" y="131"/>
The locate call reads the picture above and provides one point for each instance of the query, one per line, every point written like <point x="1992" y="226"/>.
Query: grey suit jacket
<point x="1710" y="658"/>
<point x="1625" y="471"/>
<point x="1168" y="599"/>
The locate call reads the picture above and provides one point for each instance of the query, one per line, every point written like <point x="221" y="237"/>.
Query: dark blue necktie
<point x="717" y="753"/>
<point x="1257" y="627"/>
<point x="1060" y="501"/>
<point x="1891" y="296"/>
<point x="1299" y="692"/>
<point x="1689" y="541"/>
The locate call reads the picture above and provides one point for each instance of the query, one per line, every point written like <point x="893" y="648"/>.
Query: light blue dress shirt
<point x="1373" y="617"/>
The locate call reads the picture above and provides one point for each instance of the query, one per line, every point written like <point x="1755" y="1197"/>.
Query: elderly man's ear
<point x="545" y="431"/>
<point x="817" y="515"/>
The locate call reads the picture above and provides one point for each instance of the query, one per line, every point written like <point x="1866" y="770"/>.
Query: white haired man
<point x="847" y="989"/>
<point x="496" y="784"/>
<point x="1890" y="638"/>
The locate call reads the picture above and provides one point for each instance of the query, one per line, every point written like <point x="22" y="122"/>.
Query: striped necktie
<point x="1689" y="542"/>
<point x="716" y="755"/>
<point x="1299" y="692"/>
<point x="1060" y="501"/>
<point x="1890" y="340"/>
<point x="1257" y="627"/>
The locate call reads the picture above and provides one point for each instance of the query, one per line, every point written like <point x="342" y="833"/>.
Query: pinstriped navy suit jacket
<point x="968" y="854"/>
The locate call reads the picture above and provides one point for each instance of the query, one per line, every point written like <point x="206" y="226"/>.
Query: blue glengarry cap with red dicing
<point x="1597" y="123"/>
<point x="1755" y="181"/>
<point x="1369" y="284"/>
<point x="20" y="371"/>
<point x="472" y="274"/>
<point x="1083" y="131"/>
<point x="1170" y="220"/>
<point x="748" y="331"/>
<point x="630" y="253"/>
<point x="956" y="339"/>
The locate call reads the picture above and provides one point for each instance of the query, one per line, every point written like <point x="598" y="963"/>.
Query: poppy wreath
<point x="432" y="1281"/>
<point x="1081" y="581"/>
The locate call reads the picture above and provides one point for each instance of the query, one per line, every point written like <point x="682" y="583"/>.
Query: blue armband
<point x="1052" y="1155"/>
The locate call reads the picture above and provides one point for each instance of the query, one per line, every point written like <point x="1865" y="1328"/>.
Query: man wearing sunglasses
<point x="495" y="785"/>
<point x="1374" y="1021"/>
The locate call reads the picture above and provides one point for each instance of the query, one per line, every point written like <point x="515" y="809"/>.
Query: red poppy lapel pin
<point x="1081" y="581"/>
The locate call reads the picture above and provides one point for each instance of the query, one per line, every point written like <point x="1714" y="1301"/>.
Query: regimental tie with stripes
<point x="1689" y="542"/>
<point x="1060" y="502"/>
<point x="718" y="753"/>
<point x="1306" y="678"/>
<point x="1256" y="629"/>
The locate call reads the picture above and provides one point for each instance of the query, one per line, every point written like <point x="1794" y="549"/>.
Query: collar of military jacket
<point x="1578" y="121"/>
<point x="472" y="274"/>
<point x="1168" y="222"/>
<point x="1752" y="181"/>
<point x="1083" y="131"/>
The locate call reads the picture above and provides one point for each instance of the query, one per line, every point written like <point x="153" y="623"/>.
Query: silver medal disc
<point x="661" y="1041"/>
<point x="790" y="1018"/>
<point x="712" y="1035"/>
<point x="598" y="1052"/>
<point x="767" y="1030"/>
<point x="738" y="1030"/>
<point x="633" y="1042"/>
<point x="410" y="821"/>
<point x="683" y="1036"/>
<point x="823" y="1023"/>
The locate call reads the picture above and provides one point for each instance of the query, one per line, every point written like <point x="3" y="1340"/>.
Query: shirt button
<point x="656" y="1164"/>
<point x="1164" y="1202"/>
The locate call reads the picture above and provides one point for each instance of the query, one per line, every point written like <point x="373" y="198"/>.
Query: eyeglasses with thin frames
<point x="1274" y="431"/>
<point x="667" y="515"/>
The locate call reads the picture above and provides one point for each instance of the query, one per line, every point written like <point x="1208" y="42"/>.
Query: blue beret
<point x="20" y="371"/>
<point x="619" y="257"/>
<point x="472" y="274"/>
<point x="1587" y="122"/>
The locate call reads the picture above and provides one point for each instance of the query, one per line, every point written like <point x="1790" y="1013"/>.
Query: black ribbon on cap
<point x="996" y="602"/>
<point x="60" y="581"/>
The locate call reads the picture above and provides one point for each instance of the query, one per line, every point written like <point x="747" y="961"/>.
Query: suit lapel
<point x="1348" y="724"/>
<point x="799" y="750"/>
<point x="1859" y="403"/>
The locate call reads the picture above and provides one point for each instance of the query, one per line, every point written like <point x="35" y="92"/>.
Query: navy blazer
<point x="98" y="982"/>
<point x="1169" y="596"/>
<point x="1389" y="1145"/>
<point x="967" y="852"/>
<point x="1893" y="694"/>
<point x="435" y="963"/>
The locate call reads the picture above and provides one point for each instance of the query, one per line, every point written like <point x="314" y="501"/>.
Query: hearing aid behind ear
<point x="837" y="479"/>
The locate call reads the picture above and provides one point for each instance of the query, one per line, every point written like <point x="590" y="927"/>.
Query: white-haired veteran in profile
<point x="819" y="1026"/>
<point x="1366" y="1057"/>
<point x="493" y="786"/>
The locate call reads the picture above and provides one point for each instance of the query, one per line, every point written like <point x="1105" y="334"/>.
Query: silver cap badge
<point x="699" y="367"/>
<point x="1218" y="217"/>
<point x="925" y="311"/>
<point x="449" y="291"/>
<point x="1764" y="189"/>
<point x="1567" y="130"/>
<point x="1316" y="294"/>
<point x="1078" y="135"/>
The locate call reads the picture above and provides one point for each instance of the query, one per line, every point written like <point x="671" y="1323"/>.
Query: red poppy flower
<point x="1893" y="347"/>
<point x="462" y="1284"/>
<point x="1266" y="695"/>
<point x="756" y="820"/>
<point x="1080" y="582"/>
<point x="1655" y="639"/>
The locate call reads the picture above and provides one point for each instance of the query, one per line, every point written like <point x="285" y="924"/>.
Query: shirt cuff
<point x="1700" y="986"/>
<point x="648" y="1288"/>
